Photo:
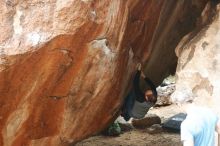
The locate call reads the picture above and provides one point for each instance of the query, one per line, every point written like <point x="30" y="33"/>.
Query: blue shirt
<point x="199" y="125"/>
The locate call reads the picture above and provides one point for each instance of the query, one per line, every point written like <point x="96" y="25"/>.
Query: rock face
<point x="165" y="90"/>
<point x="65" y="66"/>
<point x="199" y="62"/>
<point x="146" y="122"/>
<point x="178" y="18"/>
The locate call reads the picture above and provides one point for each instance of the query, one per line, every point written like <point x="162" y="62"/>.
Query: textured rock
<point x="178" y="18"/>
<point x="146" y="122"/>
<point x="165" y="90"/>
<point x="154" y="129"/>
<point x="199" y="62"/>
<point x="65" y="66"/>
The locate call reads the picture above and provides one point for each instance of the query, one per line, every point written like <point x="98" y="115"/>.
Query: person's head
<point x="150" y="97"/>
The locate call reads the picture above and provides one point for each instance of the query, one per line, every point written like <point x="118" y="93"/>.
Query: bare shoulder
<point x="217" y="128"/>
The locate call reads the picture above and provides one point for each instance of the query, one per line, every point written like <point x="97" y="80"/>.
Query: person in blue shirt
<point x="198" y="129"/>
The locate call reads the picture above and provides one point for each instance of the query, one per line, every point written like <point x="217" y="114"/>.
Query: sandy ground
<point x="137" y="137"/>
<point x="134" y="138"/>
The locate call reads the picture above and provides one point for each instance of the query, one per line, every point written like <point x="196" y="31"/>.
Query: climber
<point x="198" y="129"/>
<point x="137" y="103"/>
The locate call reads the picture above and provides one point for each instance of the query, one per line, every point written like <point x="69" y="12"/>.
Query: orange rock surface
<point x="65" y="66"/>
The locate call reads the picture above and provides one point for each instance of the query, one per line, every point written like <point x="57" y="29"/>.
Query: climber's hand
<point x="139" y="66"/>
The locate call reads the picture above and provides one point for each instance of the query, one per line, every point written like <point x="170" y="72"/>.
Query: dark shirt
<point x="140" y="96"/>
<point x="129" y="109"/>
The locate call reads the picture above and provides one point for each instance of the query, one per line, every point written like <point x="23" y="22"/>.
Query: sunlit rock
<point x="66" y="65"/>
<point x="199" y="62"/>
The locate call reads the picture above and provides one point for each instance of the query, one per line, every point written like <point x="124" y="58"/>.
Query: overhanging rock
<point x="198" y="65"/>
<point x="65" y="66"/>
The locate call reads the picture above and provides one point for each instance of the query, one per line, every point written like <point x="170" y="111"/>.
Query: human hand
<point x="139" y="66"/>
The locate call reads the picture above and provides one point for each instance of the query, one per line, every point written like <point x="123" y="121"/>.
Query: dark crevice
<point x="172" y="27"/>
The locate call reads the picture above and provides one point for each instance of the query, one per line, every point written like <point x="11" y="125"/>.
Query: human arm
<point x="187" y="133"/>
<point x="217" y="129"/>
<point x="152" y="86"/>
<point x="188" y="142"/>
<point x="150" y="83"/>
<point x="136" y="83"/>
<point x="218" y="139"/>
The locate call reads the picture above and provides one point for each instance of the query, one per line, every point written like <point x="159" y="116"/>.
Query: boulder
<point x="146" y="122"/>
<point x="165" y="90"/>
<point x="66" y="65"/>
<point x="154" y="129"/>
<point x="199" y="62"/>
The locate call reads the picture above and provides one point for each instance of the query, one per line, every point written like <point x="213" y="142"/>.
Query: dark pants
<point x="128" y="105"/>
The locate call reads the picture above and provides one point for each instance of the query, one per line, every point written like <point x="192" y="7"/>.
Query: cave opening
<point x="187" y="19"/>
<point x="170" y="29"/>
